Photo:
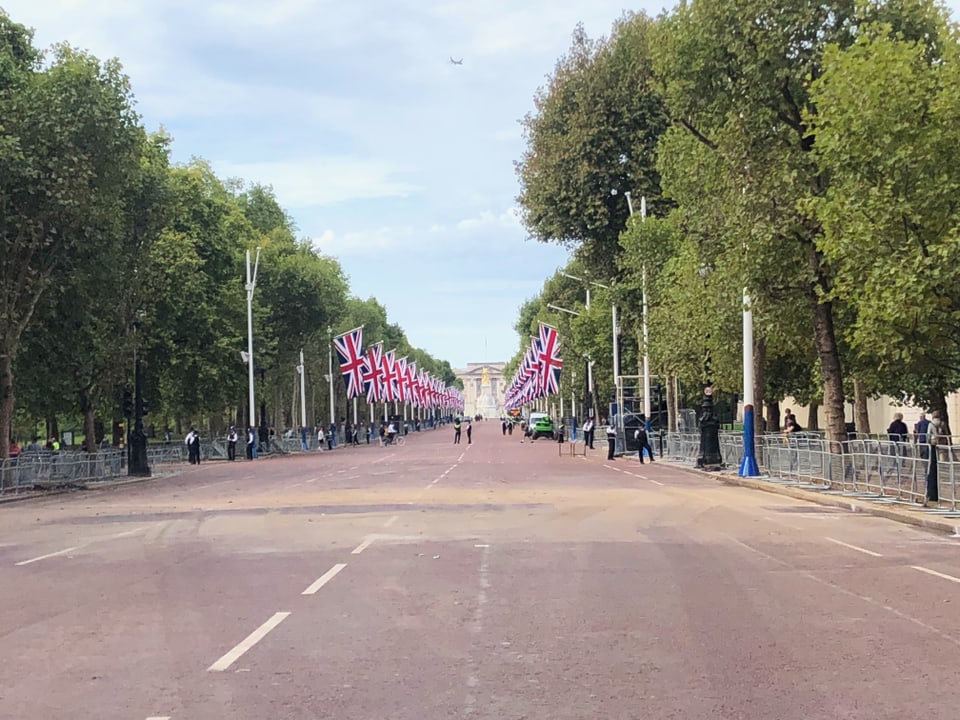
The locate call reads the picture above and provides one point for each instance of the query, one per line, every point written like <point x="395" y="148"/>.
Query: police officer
<point x="611" y="440"/>
<point x="232" y="444"/>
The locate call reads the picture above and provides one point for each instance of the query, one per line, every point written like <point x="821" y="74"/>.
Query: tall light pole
<point x="748" y="463"/>
<point x="333" y="416"/>
<point x="303" y="391"/>
<point x="250" y="286"/>
<point x="616" y="353"/>
<point x="643" y="321"/>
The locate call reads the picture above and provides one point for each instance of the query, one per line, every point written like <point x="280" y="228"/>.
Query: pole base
<point x="748" y="467"/>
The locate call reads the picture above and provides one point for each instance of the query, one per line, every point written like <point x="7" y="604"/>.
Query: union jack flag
<point x="549" y="360"/>
<point x="349" y="347"/>
<point x="372" y="374"/>
<point x="389" y="370"/>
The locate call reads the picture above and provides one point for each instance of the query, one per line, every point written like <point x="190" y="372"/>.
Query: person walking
<point x="643" y="443"/>
<point x="232" y="444"/>
<point x="469" y="433"/>
<point x="456" y="431"/>
<point x="251" y="442"/>
<point x="320" y="437"/>
<point x="611" y="440"/>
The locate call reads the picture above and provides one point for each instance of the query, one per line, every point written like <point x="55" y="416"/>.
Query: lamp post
<point x="643" y="292"/>
<point x="138" y="465"/>
<point x="333" y="416"/>
<point x="748" y="463"/>
<point x="250" y="286"/>
<point x="710" y="456"/>
<point x="616" y="350"/>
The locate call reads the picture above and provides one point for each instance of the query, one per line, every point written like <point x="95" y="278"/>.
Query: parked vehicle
<point x="540" y="425"/>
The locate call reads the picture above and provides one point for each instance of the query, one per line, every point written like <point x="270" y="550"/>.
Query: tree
<point x="887" y="132"/>
<point x="69" y="145"/>
<point x="591" y="138"/>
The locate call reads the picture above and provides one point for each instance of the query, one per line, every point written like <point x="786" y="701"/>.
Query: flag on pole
<point x="349" y="347"/>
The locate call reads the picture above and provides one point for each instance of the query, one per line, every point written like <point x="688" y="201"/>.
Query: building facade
<point x="483" y="387"/>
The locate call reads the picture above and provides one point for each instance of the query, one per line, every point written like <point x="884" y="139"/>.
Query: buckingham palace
<point x="483" y="387"/>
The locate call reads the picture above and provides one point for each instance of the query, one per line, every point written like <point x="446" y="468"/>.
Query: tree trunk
<point x="938" y="406"/>
<point x="773" y="416"/>
<point x="861" y="416"/>
<point x="759" y="361"/>
<point x="671" y="405"/>
<point x="825" y="340"/>
<point x="89" y="426"/>
<point x="6" y="401"/>
<point x="813" y="415"/>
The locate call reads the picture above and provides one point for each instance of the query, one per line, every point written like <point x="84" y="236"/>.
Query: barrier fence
<point x="869" y="467"/>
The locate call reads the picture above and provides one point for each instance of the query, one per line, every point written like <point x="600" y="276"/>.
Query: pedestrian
<point x="251" y="442"/>
<point x="355" y="435"/>
<point x="232" y="444"/>
<point x="469" y="433"/>
<point x="611" y="440"/>
<point x="920" y="428"/>
<point x="331" y="436"/>
<point x="643" y="443"/>
<point x="588" y="430"/>
<point x="934" y="438"/>
<point x="320" y="437"/>
<point x="303" y="437"/>
<point x="456" y="431"/>
<point x="897" y="433"/>
<point x="192" y="441"/>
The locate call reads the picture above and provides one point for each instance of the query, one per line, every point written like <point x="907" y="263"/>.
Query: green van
<point x="540" y="425"/>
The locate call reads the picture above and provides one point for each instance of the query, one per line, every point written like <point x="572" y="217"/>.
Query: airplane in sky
<point x="456" y="62"/>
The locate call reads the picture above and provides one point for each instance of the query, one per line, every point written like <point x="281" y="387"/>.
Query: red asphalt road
<point x="496" y="580"/>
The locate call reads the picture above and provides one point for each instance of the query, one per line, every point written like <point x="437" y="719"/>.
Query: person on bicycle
<point x="391" y="433"/>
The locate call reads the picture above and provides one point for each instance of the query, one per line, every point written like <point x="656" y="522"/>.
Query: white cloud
<point x="487" y="219"/>
<point x="322" y="180"/>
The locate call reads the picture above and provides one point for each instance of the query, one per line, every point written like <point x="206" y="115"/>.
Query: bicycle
<point x="397" y="440"/>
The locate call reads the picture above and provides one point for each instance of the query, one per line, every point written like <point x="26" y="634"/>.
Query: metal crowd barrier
<point x="51" y="469"/>
<point x="869" y="467"/>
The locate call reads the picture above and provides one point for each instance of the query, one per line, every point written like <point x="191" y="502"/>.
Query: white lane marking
<point x="928" y="571"/>
<point x="248" y="642"/>
<point x="434" y="482"/>
<point x="857" y="548"/>
<point x="656" y="482"/>
<point x="363" y="546"/>
<point x="159" y="717"/>
<point x="50" y="555"/>
<point x="391" y="521"/>
<point x="481" y="545"/>
<point x="460" y="459"/>
<point x="428" y="486"/>
<point x="294" y="485"/>
<point x="79" y="547"/>
<point x="324" y="579"/>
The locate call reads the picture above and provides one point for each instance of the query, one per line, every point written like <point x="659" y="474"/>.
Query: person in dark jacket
<point x="611" y="440"/>
<point x="643" y="443"/>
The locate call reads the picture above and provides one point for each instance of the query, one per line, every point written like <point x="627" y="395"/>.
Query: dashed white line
<point x="79" y="547"/>
<point x="391" y="520"/>
<point x="49" y="555"/>
<point x="248" y="642"/>
<point x="362" y="546"/>
<point x="655" y="482"/>
<point x="159" y="717"/>
<point x="928" y="571"/>
<point x="856" y="547"/>
<point x="324" y="579"/>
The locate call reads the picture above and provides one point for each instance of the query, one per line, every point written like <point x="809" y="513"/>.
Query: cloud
<point x="509" y="218"/>
<point x="322" y="180"/>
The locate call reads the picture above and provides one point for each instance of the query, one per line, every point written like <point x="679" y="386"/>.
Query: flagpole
<point x="303" y="392"/>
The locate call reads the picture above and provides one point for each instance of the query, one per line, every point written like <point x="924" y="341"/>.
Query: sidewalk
<point x="932" y="518"/>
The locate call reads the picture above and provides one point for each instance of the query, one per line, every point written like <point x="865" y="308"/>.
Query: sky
<point x="387" y="156"/>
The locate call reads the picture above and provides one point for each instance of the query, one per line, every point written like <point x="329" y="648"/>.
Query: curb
<point x="907" y="517"/>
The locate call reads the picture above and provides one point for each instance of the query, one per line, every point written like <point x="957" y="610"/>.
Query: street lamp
<point x="250" y="286"/>
<point x="616" y="334"/>
<point x="646" y="355"/>
<point x="710" y="456"/>
<point x="333" y="416"/>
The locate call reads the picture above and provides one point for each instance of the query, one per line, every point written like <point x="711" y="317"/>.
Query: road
<point x="494" y="580"/>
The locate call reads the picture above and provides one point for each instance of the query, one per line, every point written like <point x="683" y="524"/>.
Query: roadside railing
<point x="46" y="469"/>
<point x="864" y="466"/>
